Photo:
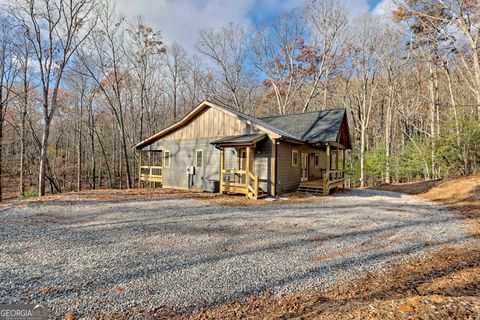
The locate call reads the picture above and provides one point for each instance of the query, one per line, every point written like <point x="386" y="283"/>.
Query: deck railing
<point x="151" y="173"/>
<point x="333" y="179"/>
<point x="240" y="181"/>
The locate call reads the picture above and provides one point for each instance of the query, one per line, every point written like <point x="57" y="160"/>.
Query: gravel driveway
<point x="185" y="253"/>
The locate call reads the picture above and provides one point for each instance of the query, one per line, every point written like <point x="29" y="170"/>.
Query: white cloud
<point x="385" y="8"/>
<point x="180" y="20"/>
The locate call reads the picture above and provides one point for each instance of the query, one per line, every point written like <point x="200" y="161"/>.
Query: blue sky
<point x="180" y="20"/>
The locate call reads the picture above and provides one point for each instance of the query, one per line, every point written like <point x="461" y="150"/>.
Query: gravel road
<point x="184" y="253"/>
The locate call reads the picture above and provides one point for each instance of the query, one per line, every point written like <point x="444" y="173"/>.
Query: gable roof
<point x="263" y="126"/>
<point x="313" y="127"/>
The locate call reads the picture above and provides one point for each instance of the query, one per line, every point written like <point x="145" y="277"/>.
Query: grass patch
<point x="32" y="192"/>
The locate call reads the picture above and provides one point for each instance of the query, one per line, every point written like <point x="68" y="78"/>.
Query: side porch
<point x="150" y="168"/>
<point x="332" y="177"/>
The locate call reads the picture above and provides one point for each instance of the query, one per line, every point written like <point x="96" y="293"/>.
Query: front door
<point x="304" y="166"/>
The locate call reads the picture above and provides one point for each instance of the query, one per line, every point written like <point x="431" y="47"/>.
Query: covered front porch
<point x="333" y="176"/>
<point x="237" y="173"/>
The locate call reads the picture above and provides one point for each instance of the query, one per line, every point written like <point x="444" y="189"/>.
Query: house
<point x="247" y="155"/>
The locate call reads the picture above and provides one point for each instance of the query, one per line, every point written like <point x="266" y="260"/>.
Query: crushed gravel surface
<point x="95" y="257"/>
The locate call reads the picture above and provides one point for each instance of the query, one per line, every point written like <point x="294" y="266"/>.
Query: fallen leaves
<point x="405" y="308"/>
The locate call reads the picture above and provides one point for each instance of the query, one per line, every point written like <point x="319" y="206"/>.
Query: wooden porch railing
<point x="253" y="188"/>
<point x="151" y="173"/>
<point x="332" y="179"/>
<point x="240" y="181"/>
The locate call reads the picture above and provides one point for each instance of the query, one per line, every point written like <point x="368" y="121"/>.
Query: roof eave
<point x="194" y="112"/>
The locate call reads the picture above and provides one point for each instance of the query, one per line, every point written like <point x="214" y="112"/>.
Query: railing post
<point x="326" y="178"/>
<point x="256" y="187"/>
<point x="247" y="170"/>
<point x="336" y="159"/>
<point x="140" y="161"/>
<point x="222" y="168"/>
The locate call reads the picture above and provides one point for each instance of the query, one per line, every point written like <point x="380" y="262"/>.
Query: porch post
<point x="336" y="158"/>
<point x="273" y="174"/>
<point x="343" y="168"/>
<point x="247" y="170"/>
<point x="326" y="178"/>
<point x="222" y="168"/>
<point x="140" y="162"/>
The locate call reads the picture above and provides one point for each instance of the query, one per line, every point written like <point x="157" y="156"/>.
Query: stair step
<point x="310" y="189"/>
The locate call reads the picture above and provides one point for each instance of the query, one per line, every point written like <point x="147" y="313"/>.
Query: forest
<point x="81" y="84"/>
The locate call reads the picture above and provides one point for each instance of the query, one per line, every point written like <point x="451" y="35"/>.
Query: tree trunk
<point x="1" y="156"/>
<point x="125" y="156"/>
<point x="388" y="132"/>
<point x="362" y="155"/>
<point x="43" y="158"/>
<point x="79" y="151"/>
<point x="22" y="147"/>
<point x="433" y="109"/>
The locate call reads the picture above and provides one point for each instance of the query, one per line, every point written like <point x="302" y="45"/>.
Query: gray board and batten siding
<point x="208" y="125"/>
<point x="183" y="154"/>
<point x="198" y="134"/>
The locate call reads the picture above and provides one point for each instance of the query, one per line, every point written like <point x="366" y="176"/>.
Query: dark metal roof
<point x="241" y="140"/>
<point x="311" y="127"/>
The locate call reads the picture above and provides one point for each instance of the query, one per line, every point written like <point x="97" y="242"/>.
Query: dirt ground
<point x="461" y="196"/>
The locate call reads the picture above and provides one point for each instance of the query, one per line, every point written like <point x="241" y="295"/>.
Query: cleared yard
<point x="176" y="252"/>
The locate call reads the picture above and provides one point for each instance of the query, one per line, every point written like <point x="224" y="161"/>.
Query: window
<point x="166" y="160"/>
<point x="199" y="158"/>
<point x="294" y="158"/>
<point x="316" y="160"/>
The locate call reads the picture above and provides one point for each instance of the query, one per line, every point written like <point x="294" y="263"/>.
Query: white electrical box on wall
<point x="191" y="170"/>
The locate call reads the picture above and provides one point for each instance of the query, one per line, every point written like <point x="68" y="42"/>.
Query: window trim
<point x="165" y="158"/>
<point x="196" y="158"/>
<point x="294" y="164"/>
<point x="316" y="159"/>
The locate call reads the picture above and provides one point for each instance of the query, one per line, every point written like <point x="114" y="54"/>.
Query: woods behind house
<point x="81" y="84"/>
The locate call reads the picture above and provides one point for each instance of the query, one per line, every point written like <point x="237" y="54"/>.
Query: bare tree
<point x="144" y="53"/>
<point x="363" y="82"/>
<point x="25" y="96"/>
<point x="228" y="49"/>
<point x="328" y="22"/>
<point x="55" y="29"/>
<point x="277" y="50"/>
<point x="177" y="66"/>
<point x="392" y="59"/>
<point x="8" y="73"/>
<point x="458" y="21"/>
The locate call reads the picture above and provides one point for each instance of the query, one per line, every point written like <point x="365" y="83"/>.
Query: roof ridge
<point x="259" y="121"/>
<point x="300" y="113"/>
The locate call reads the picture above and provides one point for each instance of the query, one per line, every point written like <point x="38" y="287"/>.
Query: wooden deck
<point x="324" y="185"/>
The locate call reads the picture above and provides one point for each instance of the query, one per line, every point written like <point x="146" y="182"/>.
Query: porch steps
<point x="310" y="189"/>
<point x="261" y="194"/>
<point x="312" y="186"/>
